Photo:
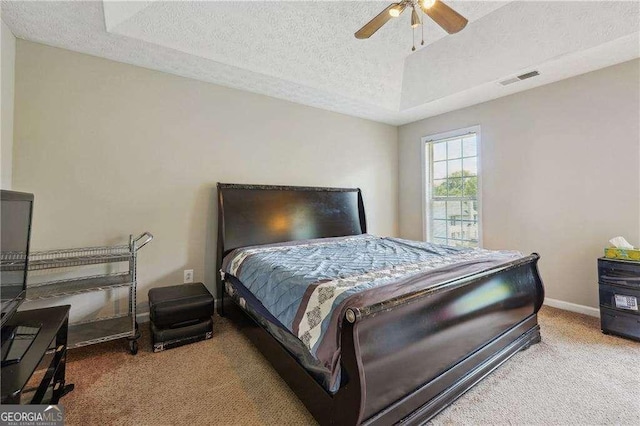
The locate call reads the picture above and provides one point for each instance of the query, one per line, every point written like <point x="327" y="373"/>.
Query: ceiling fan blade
<point x="450" y="20"/>
<point x="376" y="23"/>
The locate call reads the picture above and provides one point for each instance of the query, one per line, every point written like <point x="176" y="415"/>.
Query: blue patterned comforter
<point x="308" y="285"/>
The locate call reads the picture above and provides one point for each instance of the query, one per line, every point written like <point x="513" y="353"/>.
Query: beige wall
<point x="111" y="149"/>
<point x="560" y="168"/>
<point x="7" y="78"/>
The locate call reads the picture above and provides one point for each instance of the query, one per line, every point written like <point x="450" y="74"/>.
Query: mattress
<point x="299" y="291"/>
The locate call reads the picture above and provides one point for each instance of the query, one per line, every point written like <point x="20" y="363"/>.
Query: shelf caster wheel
<point x="133" y="347"/>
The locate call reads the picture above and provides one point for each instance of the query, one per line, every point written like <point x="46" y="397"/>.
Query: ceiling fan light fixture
<point x="415" y="19"/>
<point x="447" y="18"/>
<point x="426" y="4"/>
<point x="395" y="11"/>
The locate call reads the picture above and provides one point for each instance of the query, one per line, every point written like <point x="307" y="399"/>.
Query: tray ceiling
<point x="305" y="52"/>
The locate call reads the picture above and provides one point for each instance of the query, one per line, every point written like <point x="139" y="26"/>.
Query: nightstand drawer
<point x="620" y="298"/>
<point x="619" y="273"/>
<point x="617" y="322"/>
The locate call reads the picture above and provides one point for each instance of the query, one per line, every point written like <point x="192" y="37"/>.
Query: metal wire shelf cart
<point x="99" y="329"/>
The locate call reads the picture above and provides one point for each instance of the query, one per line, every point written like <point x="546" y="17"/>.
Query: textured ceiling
<point x="308" y="43"/>
<point x="305" y="52"/>
<point x="516" y="37"/>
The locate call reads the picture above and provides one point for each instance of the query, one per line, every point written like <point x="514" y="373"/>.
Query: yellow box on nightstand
<point x="622" y="254"/>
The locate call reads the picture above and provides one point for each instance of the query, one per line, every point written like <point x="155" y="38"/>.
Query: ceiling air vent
<point x="519" y="78"/>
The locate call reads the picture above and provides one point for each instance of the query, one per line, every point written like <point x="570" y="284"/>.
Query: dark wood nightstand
<point x="619" y="283"/>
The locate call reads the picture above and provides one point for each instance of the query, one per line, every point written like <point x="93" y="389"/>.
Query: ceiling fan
<point x="450" y="20"/>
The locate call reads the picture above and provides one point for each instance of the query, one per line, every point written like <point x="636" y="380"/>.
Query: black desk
<point x="46" y="357"/>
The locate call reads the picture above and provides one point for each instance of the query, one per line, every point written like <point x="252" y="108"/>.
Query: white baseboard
<point x="573" y="307"/>
<point x="142" y="317"/>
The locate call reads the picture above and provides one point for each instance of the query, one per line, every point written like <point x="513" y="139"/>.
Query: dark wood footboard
<point x="413" y="355"/>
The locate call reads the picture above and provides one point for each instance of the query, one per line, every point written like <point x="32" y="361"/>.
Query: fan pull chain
<point x="413" y="33"/>
<point x="422" y="28"/>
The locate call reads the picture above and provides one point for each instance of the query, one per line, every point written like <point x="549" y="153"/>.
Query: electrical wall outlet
<point x="188" y="276"/>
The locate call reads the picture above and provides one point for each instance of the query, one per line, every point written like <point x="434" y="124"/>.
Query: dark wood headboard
<point x="264" y="214"/>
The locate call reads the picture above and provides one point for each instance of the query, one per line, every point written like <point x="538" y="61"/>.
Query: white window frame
<point x="425" y="172"/>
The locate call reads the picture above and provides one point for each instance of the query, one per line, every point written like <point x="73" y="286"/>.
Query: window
<point x="451" y="188"/>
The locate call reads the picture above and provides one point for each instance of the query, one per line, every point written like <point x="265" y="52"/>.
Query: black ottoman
<point x="180" y="314"/>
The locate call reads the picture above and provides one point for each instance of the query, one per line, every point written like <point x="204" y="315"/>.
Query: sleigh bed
<point x="402" y="352"/>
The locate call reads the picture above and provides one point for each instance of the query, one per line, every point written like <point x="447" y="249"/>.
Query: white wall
<point x="110" y="149"/>
<point x="7" y="79"/>
<point x="560" y="168"/>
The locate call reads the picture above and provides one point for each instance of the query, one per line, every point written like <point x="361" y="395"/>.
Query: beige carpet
<point x="576" y="375"/>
